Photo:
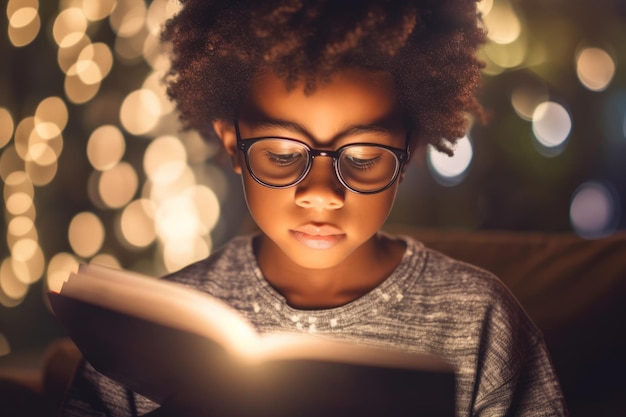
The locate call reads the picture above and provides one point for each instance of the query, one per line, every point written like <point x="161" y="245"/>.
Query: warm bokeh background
<point x="94" y="167"/>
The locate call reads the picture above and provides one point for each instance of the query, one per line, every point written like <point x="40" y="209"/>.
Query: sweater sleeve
<point x="515" y="376"/>
<point x="93" y="394"/>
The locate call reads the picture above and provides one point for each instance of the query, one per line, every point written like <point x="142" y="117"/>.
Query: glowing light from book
<point x="451" y="170"/>
<point x="105" y="147"/>
<point x="10" y="285"/>
<point x="98" y="10"/>
<point x="24" y="22"/>
<point x="6" y="126"/>
<point x="140" y="111"/>
<point x="183" y="223"/>
<point x="69" y="26"/>
<point x="178" y="253"/>
<point x="551" y="124"/>
<point x="594" y="210"/>
<point x="86" y="234"/>
<point x="526" y="98"/>
<point x="595" y="68"/>
<point x="59" y="268"/>
<point x="137" y="223"/>
<point x="503" y="24"/>
<point x="118" y="185"/>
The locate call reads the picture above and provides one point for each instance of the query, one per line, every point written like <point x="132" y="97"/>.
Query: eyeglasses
<point x="363" y="168"/>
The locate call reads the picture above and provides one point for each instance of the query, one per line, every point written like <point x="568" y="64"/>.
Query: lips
<point x="318" y="236"/>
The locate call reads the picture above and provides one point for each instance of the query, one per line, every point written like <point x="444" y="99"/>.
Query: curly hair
<point x="429" y="46"/>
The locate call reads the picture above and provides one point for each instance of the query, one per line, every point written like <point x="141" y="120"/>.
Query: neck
<point x="309" y="288"/>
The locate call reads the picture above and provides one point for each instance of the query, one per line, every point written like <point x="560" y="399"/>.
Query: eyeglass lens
<point x="281" y="162"/>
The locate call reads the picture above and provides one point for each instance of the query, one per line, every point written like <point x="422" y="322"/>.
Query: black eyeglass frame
<point x="402" y="156"/>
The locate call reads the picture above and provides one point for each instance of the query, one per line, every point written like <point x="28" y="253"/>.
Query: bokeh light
<point x="451" y="170"/>
<point x="525" y="99"/>
<point x="59" y="269"/>
<point x="118" y="185"/>
<point x="6" y="126"/>
<point x="165" y="160"/>
<point x="50" y="117"/>
<point x="105" y="147"/>
<point x="69" y="26"/>
<point x="24" y="22"/>
<point x="594" y="210"/>
<point x="10" y="285"/>
<point x="137" y="223"/>
<point x="595" y="68"/>
<point x="98" y="10"/>
<point x="86" y="234"/>
<point x="551" y="125"/>
<point x="140" y="111"/>
<point x="503" y="24"/>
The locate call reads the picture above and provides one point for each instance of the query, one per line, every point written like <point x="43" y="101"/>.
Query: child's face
<point x="318" y="223"/>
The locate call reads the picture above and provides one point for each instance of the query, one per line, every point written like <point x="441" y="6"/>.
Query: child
<point x="320" y="105"/>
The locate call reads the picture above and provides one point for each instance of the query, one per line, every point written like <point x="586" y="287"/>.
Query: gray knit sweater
<point x="430" y="303"/>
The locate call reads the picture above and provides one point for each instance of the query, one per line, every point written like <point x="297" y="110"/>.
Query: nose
<point x="321" y="188"/>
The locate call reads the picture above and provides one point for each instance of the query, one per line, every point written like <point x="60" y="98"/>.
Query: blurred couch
<point x="574" y="289"/>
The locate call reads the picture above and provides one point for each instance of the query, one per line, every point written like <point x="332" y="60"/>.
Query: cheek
<point x="263" y="202"/>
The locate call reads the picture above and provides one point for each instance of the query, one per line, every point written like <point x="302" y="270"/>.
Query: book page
<point x="164" y="302"/>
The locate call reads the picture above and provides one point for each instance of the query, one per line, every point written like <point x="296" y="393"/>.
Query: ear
<point x="417" y="149"/>
<point x="226" y="132"/>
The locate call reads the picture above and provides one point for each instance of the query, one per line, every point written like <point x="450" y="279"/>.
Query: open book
<point x="165" y="340"/>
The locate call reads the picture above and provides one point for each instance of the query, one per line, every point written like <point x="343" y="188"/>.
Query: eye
<point x="361" y="163"/>
<point x="362" y="158"/>
<point x="283" y="159"/>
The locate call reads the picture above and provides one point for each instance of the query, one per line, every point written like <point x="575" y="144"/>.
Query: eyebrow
<point x="352" y="130"/>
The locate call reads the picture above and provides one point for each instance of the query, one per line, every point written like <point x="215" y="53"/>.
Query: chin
<point x="316" y="259"/>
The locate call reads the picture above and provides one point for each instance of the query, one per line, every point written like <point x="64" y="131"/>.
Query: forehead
<point x="352" y="97"/>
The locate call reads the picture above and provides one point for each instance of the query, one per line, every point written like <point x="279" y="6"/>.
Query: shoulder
<point x="453" y="277"/>
<point x="465" y="289"/>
